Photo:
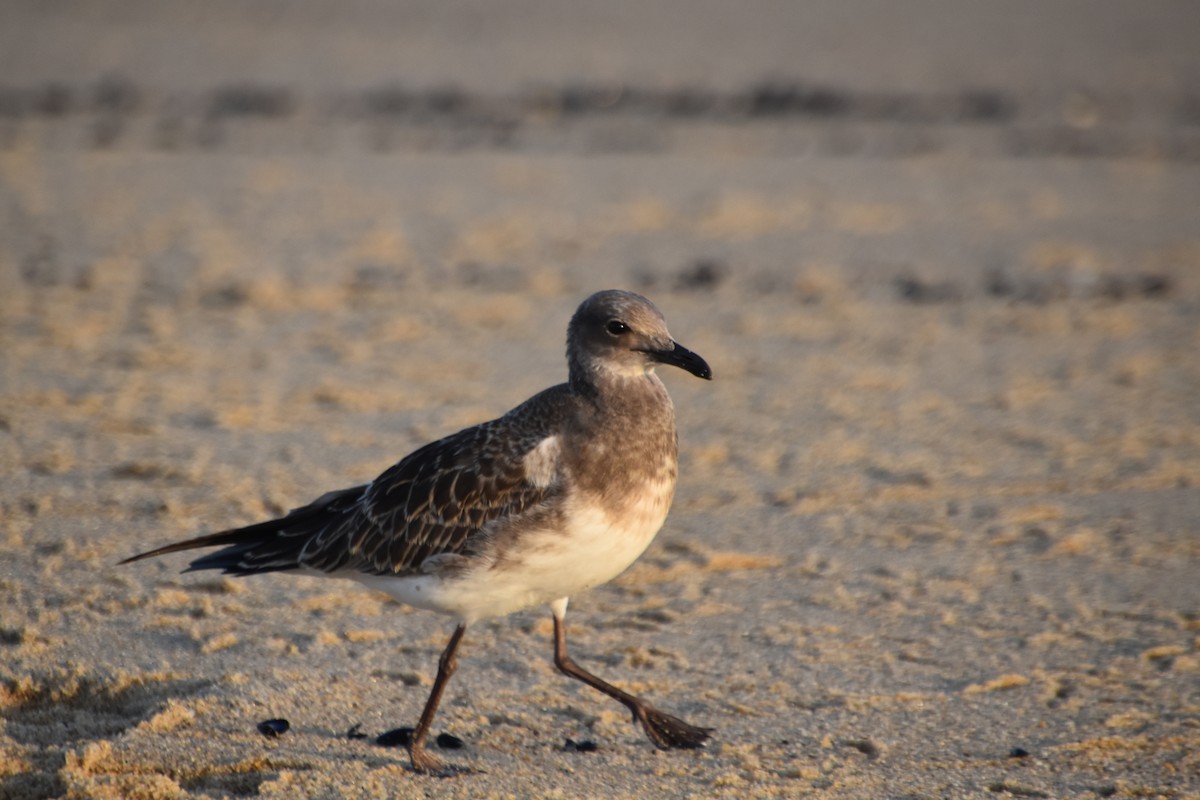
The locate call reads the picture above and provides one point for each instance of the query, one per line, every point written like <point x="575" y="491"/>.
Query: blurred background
<point x="944" y="257"/>
<point x="564" y="138"/>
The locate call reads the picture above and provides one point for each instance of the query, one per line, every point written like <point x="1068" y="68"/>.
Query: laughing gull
<point x="558" y="495"/>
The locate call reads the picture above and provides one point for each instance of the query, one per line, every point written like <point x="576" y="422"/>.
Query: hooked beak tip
<point x="680" y="356"/>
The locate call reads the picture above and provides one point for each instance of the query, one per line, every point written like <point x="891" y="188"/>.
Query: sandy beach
<point x="936" y="532"/>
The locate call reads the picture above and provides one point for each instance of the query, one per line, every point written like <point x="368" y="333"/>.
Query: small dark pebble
<point x="586" y="746"/>
<point x="884" y="475"/>
<point x="864" y="746"/>
<point x="273" y="727"/>
<point x="1015" y="789"/>
<point x="402" y="737"/>
<point x="1018" y="752"/>
<point x="355" y="732"/>
<point x="396" y="737"/>
<point x="1037" y="541"/>
<point x="448" y="741"/>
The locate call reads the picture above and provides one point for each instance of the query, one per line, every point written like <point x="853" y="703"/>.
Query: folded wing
<point x="434" y="502"/>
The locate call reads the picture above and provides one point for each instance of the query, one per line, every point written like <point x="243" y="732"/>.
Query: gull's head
<point x="620" y="333"/>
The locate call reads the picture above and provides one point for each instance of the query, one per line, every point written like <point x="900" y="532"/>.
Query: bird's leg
<point x="422" y="760"/>
<point x="664" y="730"/>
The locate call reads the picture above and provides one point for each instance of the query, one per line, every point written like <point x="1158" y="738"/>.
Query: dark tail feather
<point x="239" y="541"/>
<point x="211" y="540"/>
<point x="260" y="547"/>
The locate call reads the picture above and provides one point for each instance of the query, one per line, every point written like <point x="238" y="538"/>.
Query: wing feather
<point x="437" y="501"/>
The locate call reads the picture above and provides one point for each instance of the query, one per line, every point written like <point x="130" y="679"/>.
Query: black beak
<point x="680" y="356"/>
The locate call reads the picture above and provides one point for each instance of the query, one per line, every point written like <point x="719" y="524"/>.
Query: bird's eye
<point x="616" y="327"/>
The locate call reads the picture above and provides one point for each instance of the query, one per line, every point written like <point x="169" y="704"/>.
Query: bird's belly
<point x="537" y="566"/>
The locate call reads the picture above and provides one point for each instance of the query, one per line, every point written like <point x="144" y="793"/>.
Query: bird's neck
<point x="625" y="398"/>
<point x="625" y="435"/>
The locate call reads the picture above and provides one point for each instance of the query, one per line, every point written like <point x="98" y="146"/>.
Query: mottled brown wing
<point x="431" y="503"/>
